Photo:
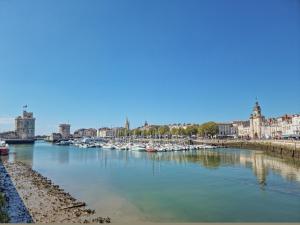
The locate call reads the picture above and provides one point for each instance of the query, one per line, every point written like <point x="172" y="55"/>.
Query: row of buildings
<point x="259" y="127"/>
<point x="256" y="127"/>
<point x="104" y="132"/>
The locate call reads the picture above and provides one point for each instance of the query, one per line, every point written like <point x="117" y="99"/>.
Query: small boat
<point x="92" y="145"/>
<point x="63" y="143"/>
<point x="4" y="148"/>
<point x="109" y="146"/>
<point x="209" y="147"/>
<point x="150" y="149"/>
<point x="138" y="148"/>
<point x="83" y="146"/>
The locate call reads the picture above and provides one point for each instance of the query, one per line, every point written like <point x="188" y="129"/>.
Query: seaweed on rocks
<point x="46" y="201"/>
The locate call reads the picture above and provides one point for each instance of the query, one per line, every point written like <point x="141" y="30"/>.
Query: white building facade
<point x="258" y="127"/>
<point x="105" y="132"/>
<point x="227" y="130"/>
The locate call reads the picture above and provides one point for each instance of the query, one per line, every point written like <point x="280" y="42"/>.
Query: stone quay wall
<point x="284" y="148"/>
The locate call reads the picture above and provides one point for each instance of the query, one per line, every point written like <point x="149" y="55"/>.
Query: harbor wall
<point x="281" y="148"/>
<point x="19" y="141"/>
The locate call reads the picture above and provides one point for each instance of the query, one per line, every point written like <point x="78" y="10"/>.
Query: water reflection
<point x="260" y="163"/>
<point x="22" y="153"/>
<point x="160" y="186"/>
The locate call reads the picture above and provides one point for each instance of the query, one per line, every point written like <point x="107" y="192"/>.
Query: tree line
<point x="208" y="129"/>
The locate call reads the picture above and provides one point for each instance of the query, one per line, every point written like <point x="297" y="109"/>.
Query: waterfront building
<point x="179" y="126"/>
<point x="146" y="127"/>
<point x="8" y="135"/>
<point x="54" y="137"/>
<point x="243" y="128"/>
<point x="296" y="124"/>
<point x="64" y="130"/>
<point x="105" y="132"/>
<point x="227" y="130"/>
<point x="91" y="132"/>
<point x="25" y="126"/>
<point x="258" y="127"/>
<point x="118" y="131"/>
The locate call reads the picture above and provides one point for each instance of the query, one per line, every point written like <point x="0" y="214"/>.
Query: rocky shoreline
<point x="34" y="198"/>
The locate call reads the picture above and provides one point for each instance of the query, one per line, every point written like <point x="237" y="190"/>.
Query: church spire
<point x="127" y="124"/>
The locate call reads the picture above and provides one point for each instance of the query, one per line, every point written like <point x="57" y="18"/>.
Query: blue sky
<point x="92" y="63"/>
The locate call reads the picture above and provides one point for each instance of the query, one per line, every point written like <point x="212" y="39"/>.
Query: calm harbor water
<point x="220" y="185"/>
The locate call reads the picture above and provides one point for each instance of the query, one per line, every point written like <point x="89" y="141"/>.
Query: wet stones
<point x="46" y="201"/>
<point x="101" y="220"/>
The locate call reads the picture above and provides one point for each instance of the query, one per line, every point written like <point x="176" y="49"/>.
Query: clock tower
<point x="256" y="122"/>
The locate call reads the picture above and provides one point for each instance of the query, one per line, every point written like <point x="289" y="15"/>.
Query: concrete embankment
<point x="282" y="148"/>
<point x="34" y="198"/>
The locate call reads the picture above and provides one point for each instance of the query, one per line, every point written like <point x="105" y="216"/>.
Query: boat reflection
<point x="211" y="159"/>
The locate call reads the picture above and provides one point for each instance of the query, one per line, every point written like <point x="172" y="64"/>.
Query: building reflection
<point x="24" y="153"/>
<point x="260" y="163"/>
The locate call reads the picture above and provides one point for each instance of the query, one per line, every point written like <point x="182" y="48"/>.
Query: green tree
<point x="163" y="130"/>
<point x="152" y="131"/>
<point x="181" y="131"/>
<point x="122" y="132"/>
<point x="191" y="130"/>
<point x="137" y="132"/>
<point x="174" y="131"/>
<point x="208" y="129"/>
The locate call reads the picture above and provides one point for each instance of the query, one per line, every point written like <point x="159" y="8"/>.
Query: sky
<point x="92" y="63"/>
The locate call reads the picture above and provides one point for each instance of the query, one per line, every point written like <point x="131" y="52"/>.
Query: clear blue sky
<point x="92" y="63"/>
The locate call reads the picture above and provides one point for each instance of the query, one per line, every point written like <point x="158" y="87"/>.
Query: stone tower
<point x="256" y="122"/>
<point x="25" y="126"/>
<point x="64" y="130"/>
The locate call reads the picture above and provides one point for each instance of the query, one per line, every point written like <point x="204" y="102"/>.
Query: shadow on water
<point x="16" y="209"/>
